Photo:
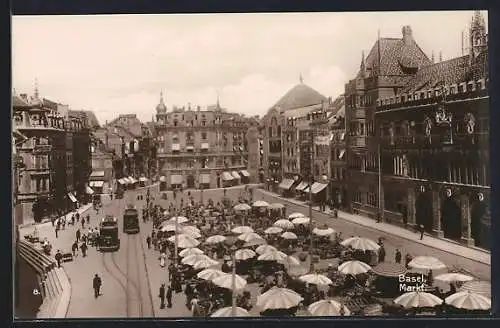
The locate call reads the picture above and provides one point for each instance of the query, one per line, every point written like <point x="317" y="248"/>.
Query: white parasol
<point x="289" y="235"/>
<point x="190" y="251"/>
<point x="354" y="267"/>
<point x="273" y="256"/>
<point x="260" y="203"/>
<point x="316" y="279"/>
<point x="328" y="308"/>
<point x="226" y="281"/>
<point x="301" y="220"/>
<point x="323" y="232"/>
<point x="296" y="215"/>
<point x="363" y="244"/>
<point x="184" y="241"/>
<point x="418" y="300"/>
<point x="284" y="224"/>
<point x="426" y="263"/>
<point x="210" y="274"/>
<point x="265" y="249"/>
<point x="228" y="312"/>
<point x="469" y="301"/>
<point x="244" y="254"/>
<point x="278" y="298"/>
<point x="273" y="230"/>
<point x="242" y="229"/>
<point x="215" y="239"/>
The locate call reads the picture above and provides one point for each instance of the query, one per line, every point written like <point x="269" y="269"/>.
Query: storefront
<point x="163" y="183"/>
<point x="227" y="179"/>
<point x="176" y="181"/>
<point x="204" y="181"/>
<point x="286" y="187"/>
<point x="245" y="176"/>
<point x="97" y="186"/>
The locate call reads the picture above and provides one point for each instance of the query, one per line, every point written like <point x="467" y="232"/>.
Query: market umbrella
<point x="296" y="215"/>
<point x="190" y="251"/>
<point x="184" y="241"/>
<point x="226" y="281"/>
<point x="290" y="260"/>
<point x="228" y="312"/>
<point x="191" y="231"/>
<point x="242" y="229"/>
<point x="289" y="235"/>
<point x="242" y="207"/>
<point x="204" y="263"/>
<point x="255" y="242"/>
<point x="276" y="206"/>
<point x="469" y="301"/>
<point x="278" y="298"/>
<point x="316" y="279"/>
<point x="192" y="259"/>
<point x="297" y="270"/>
<point x="180" y="219"/>
<point x="210" y="274"/>
<point x="284" y="224"/>
<point x="363" y="244"/>
<point x="418" y="300"/>
<point x="328" y="308"/>
<point x="454" y="277"/>
<point x="323" y="232"/>
<point x="477" y="286"/>
<point x="169" y="227"/>
<point x="273" y="256"/>
<point x="265" y="249"/>
<point x="215" y="239"/>
<point x="389" y="269"/>
<point x="273" y="230"/>
<point x="244" y="254"/>
<point x="354" y="267"/>
<point x="426" y="263"/>
<point x="249" y="236"/>
<point x="260" y="203"/>
<point x="301" y="220"/>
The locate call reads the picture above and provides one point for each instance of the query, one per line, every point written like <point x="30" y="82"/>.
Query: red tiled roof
<point x="396" y="57"/>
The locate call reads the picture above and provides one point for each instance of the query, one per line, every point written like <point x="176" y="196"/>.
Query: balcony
<point x="42" y="149"/>
<point x="358" y="141"/>
<point x="359" y="113"/>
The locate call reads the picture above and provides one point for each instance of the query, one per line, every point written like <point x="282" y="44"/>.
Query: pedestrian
<point x="53" y="220"/>
<point x="58" y="257"/>
<point x="430" y="278"/>
<point x="408" y="259"/>
<point x="171" y="270"/>
<point x="97" y="283"/>
<point x="421" y="229"/>
<point x="398" y="256"/>
<point x="148" y="241"/>
<point x="83" y="223"/>
<point x="162" y="296"/>
<point x="381" y="254"/>
<point x="163" y="258"/>
<point x="169" y="296"/>
<point x="74" y="248"/>
<point x="84" y="248"/>
<point x="63" y="223"/>
<point x="88" y="218"/>
<point x="78" y="234"/>
<point x="73" y="220"/>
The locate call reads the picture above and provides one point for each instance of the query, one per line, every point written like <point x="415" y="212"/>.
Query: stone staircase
<point x="54" y="283"/>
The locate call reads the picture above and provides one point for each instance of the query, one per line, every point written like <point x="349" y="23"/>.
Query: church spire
<point x="301" y="79"/>
<point x="362" y="66"/>
<point x="218" y="99"/>
<point x="36" y="88"/>
<point x="432" y="57"/>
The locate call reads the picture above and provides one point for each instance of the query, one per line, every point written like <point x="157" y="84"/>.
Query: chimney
<point x="24" y="97"/>
<point x="440" y="56"/>
<point x="407" y="34"/>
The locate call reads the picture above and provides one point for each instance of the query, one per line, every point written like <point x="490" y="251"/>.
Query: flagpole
<point x="176" y="239"/>
<point x="233" y="286"/>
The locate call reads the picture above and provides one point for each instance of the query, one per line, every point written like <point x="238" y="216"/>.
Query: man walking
<point x="398" y="256"/>
<point x="421" y="229"/>
<point x="58" y="257"/>
<point x="169" y="296"/>
<point x="381" y="254"/>
<point x="148" y="241"/>
<point x="78" y="234"/>
<point x="74" y="248"/>
<point x="162" y="296"/>
<point x="84" y="248"/>
<point x="96" y="283"/>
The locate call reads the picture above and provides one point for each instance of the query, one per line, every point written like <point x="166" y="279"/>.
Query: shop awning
<point x="342" y="136"/>
<point x="341" y="155"/>
<point x="286" y="184"/>
<point x="226" y="176"/>
<point x="204" y="145"/>
<point x="176" y="147"/>
<point x="317" y="187"/>
<point x="235" y="175"/>
<point x="122" y="181"/>
<point x="301" y="186"/>
<point x="96" y="184"/>
<point x="189" y="148"/>
<point x="72" y="197"/>
<point x="163" y="179"/>
<point x="97" y="174"/>
<point x="306" y="190"/>
<point x="143" y="179"/>
<point x="205" y="178"/>
<point x="89" y="190"/>
<point x="245" y="173"/>
<point x="132" y="180"/>
<point x="176" y="179"/>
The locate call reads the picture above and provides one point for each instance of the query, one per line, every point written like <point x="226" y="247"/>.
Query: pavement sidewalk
<point x="475" y="254"/>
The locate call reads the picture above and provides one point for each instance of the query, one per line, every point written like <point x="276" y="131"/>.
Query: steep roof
<point x="87" y="115"/>
<point x="18" y="102"/>
<point x="397" y="57"/>
<point x="302" y="111"/>
<point x="455" y="70"/>
<point x="299" y="96"/>
<point x="337" y="108"/>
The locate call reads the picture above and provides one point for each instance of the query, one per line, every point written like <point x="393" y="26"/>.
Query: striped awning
<point x="204" y="145"/>
<point x="307" y="189"/>
<point x="189" y="147"/>
<point x="245" y="173"/>
<point x="96" y="184"/>
<point x="341" y="155"/>
<point x="388" y="269"/>
<point x="97" y="174"/>
<point x="89" y="190"/>
<point x="226" y="176"/>
<point x="122" y="181"/>
<point x="163" y="179"/>
<point x="72" y="197"/>
<point x="317" y="187"/>
<point x="176" y="147"/>
<point x="176" y="179"/>
<point x="301" y="186"/>
<point x="286" y="184"/>
<point x="235" y="175"/>
<point x="132" y="180"/>
<point x="204" y="178"/>
<point x="143" y="179"/>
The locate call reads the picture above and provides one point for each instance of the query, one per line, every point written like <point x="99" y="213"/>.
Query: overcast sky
<point x="119" y="64"/>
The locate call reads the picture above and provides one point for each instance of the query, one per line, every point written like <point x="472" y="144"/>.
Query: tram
<point x="108" y="234"/>
<point x="131" y="220"/>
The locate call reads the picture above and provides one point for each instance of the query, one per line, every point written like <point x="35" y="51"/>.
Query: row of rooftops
<point x="463" y="88"/>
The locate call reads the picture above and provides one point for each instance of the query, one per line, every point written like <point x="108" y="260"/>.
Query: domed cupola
<point x="161" y="108"/>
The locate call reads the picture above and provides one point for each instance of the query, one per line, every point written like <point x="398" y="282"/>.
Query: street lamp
<point x="201" y="194"/>
<point x="233" y="280"/>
